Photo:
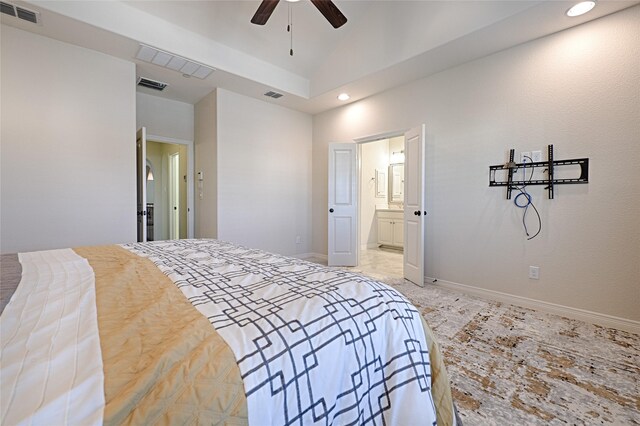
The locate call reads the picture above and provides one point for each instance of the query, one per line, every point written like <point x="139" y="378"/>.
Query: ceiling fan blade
<point x="331" y="12"/>
<point x="264" y="11"/>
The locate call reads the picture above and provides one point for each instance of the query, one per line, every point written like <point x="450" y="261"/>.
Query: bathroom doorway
<point x="381" y="207"/>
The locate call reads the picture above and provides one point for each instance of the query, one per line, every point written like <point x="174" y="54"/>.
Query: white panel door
<point x="141" y="179"/>
<point x="174" y="196"/>
<point x="343" y="207"/>
<point x="414" y="209"/>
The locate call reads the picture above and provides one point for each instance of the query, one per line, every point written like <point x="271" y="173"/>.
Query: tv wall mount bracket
<point x="548" y="166"/>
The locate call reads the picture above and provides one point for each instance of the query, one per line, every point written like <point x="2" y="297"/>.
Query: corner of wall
<point x="206" y="152"/>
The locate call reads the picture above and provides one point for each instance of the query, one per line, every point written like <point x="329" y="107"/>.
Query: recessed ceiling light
<point x="581" y="8"/>
<point x="343" y="97"/>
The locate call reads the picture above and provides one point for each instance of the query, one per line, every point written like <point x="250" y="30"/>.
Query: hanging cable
<point x="525" y="206"/>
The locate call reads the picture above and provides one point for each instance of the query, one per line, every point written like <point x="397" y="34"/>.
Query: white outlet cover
<point x="534" y="272"/>
<point x="536" y="156"/>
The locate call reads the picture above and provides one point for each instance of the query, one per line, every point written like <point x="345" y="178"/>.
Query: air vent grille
<point x="27" y="15"/>
<point x="20" y="12"/>
<point x="7" y="8"/>
<point x="173" y="62"/>
<point x="274" y="95"/>
<point x="152" y="84"/>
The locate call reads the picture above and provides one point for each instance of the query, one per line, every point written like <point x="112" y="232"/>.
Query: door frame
<point x="190" y="175"/>
<point x="372" y="138"/>
<point x="359" y="142"/>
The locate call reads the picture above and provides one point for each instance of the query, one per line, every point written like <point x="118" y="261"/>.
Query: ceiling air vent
<point x="19" y="12"/>
<point x="27" y="15"/>
<point x="7" y="8"/>
<point x="174" y="62"/>
<point x="152" y="84"/>
<point x="274" y="95"/>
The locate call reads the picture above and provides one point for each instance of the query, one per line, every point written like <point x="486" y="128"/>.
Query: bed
<point x="208" y="332"/>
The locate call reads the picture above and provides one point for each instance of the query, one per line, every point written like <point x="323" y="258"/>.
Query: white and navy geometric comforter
<point x="314" y="345"/>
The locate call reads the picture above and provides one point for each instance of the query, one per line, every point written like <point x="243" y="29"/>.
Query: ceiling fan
<point x="326" y="7"/>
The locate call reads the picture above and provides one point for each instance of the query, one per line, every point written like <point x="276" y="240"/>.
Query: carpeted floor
<point x="515" y="366"/>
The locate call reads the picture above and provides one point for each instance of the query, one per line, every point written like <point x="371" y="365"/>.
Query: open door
<point x="141" y="177"/>
<point x="343" y="207"/>
<point x="414" y="208"/>
<point x="174" y="196"/>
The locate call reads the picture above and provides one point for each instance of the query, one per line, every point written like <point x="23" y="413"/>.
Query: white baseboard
<point x="565" y="311"/>
<point x="304" y="256"/>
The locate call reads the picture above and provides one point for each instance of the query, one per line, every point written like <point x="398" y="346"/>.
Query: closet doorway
<point x="165" y="191"/>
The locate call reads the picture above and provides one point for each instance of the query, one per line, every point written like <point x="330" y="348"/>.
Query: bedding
<point x="203" y="331"/>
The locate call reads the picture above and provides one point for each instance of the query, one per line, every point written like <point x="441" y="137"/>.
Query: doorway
<point x="165" y="194"/>
<point x="166" y="191"/>
<point x="344" y="204"/>
<point x="381" y="207"/>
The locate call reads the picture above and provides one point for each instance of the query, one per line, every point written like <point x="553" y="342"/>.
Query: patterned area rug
<point x="516" y="366"/>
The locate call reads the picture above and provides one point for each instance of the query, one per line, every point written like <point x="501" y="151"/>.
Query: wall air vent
<point x="20" y="12"/>
<point x="27" y="15"/>
<point x="152" y="84"/>
<point x="7" y="8"/>
<point x="274" y="95"/>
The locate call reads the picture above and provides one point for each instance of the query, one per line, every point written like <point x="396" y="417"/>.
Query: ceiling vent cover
<point x="27" y="15"/>
<point x="7" y="8"/>
<point x="274" y="95"/>
<point x="20" y="12"/>
<point x="152" y="84"/>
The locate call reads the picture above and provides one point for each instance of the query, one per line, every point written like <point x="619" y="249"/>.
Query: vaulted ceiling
<point x="383" y="44"/>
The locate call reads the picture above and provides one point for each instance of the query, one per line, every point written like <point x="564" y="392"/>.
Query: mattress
<point x="204" y="331"/>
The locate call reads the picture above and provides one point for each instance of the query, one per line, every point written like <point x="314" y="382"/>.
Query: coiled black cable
<point x="523" y="192"/>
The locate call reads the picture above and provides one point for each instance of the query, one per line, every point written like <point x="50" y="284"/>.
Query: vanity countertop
<point x="390" y="210"/>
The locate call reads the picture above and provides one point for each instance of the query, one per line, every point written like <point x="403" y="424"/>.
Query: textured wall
<point x="264" y="174"/>
<point x="206" y="152"/>
<point x="68" y="145"/>
<point x="579" y="90"/>
<point x="164" y="117"/>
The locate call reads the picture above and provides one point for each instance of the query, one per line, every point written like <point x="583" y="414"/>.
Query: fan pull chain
<point x="290" y="30"/>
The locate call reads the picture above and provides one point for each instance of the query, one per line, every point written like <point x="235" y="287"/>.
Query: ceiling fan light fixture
<point x="581" y="8"/>
<point x="344" y="97"/>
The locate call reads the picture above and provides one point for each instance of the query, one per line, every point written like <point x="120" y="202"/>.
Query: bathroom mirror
<point x="396" y="183"/>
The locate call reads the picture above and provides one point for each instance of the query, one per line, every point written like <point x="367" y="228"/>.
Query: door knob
<point x="419" y="213"/>
<point x="415" y="213"/>
<point x="330" y="210"/>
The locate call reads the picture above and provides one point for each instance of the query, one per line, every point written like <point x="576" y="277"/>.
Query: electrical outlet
<point x="536" y="156"/>
<point x="298" y="239"/>
<point x="534" y="272"/>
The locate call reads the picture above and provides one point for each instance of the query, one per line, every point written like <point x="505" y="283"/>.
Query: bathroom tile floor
<point x="378" y="263"/>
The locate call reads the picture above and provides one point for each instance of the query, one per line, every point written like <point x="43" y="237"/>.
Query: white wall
<point x="579" y="90"/>
<point x="164" y="117"/>
<point x="374" y="155"/>
<point x="68" y="145"/>
<point x="206" y="153"/>
<point x="264" y="174"/>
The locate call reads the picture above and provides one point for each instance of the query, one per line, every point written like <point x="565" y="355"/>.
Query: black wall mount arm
<point x="548" y="166"/>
